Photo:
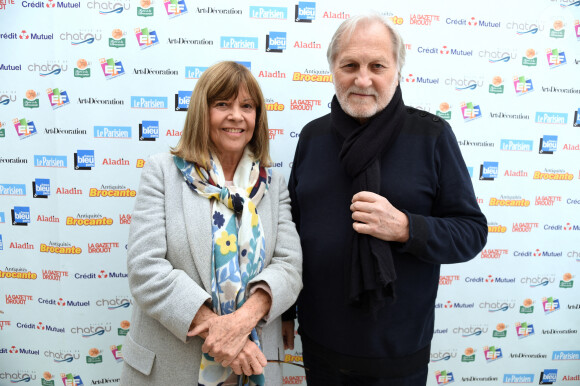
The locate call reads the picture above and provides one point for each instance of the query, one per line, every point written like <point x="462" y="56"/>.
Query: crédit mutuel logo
<point x="444" y="50"/>
<point x="51" y="4"/>
<point x="272" y="13"/>
<point x="148" y="130"/>
<point x="472" y="22"/>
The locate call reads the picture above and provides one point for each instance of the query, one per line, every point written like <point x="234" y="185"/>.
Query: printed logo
<point x="516" y="145"/>
<point x="57" y="98"/>
<point x="305" y="12"/>
<point x="146" y="38"/>
<point x="492" y="353"/>
<point x="548" y="144"/>
<point x="50" y="161"/>
<point x="81" y="37"/>
<point x="557" y="32"/>
<point x="548" y="376"/>
<point x="524" y="330"/>
<point x="148" y="102"/>
<point x="175" y="8"/>
<point x="146" y="9"/>
<point x="530" y="59"/>
<point x="117" y="40"/>
<point x="71" y="380"/>
<point x="194" y="72"/>
<point x="148" y="130"/>
<point x="238" y="43"/>
<point x="522" y="85"/>
<point x="116" y="351"/>
<point x="30" y="100"/>
<point x="423" y="20"/>
<point x="527" y="307"/>
<point x="468" y="355"/>
<point x="1" y="244"/>
<point x="20" y="215"/>
<point x="555" y="58"/>
<point x="488" y="171"/>
<point x="550" y="305"/>
<point x="111" y="68"/>
<point x="444" y="377"/>
<point x="41" y="188"/>
<point x="576" y="118"/>
<point x="118" y="132"/>
<point x="496" y="86"/>
<point x="263" y="12"/>
<point x="84" y="159"/>
<point x="567" y="281"/>
<point x="182" y="99"/>
<point x="12" y="190"/>
<point x="577" y="27"/>
<point x="518" y="378"/>
<point x="498" y="55"/>
<point x="312" y="76"/>
<point x="2" y="217"/>
<point x="470" y="111"/>
<point x="24" y="128"/>
<point x="500" y="331"/>
<point x="551" y="118"/>
<point x="81" y="70"/>
<point x="7" y="97"/>
<point x="276" y="42"/>
<point x="94" y="356"/>
<point x="444" y="111"/>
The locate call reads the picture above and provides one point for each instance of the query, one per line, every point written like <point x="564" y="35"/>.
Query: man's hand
<point x="288" y="334"/>
<point x="250" y="361"/>
<point x="374" y="215"/>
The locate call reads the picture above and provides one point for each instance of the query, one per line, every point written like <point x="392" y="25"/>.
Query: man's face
<point x="365" y="71"/>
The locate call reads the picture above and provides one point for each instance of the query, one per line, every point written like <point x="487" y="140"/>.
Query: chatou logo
<point x="548" y="144"/>
<point x="530" y="59"/>
<point x="145" y="9"/>
<point x="550" y="305"/>
<point x="117" y="39"/>
<point x="57" y="98"/>
<point x="9" y="96"/>
<point x="488" y="171"/>
<point x="496" y="86"/>
<point x="524" y="330"/>
<point x="492" y="353"/>
<point x="470" y="111"/>
<point x="146" y="38"/>
<point x="112" y="68"/>
<point x="555" y="58"/>
<point x="71" y="380"/>
<point x="24" y="128"/>
<point x="522" y="85"/>
<point x="567" y="281"/>
<point x="305" y="12"/>
<point x="444" y="377"/>
<point x="276" y="42"/>
<point x="175" y="8"/>
<point x="30" y="100"/>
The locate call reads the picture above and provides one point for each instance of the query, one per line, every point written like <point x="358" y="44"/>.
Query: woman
<point x="213" y="253"/>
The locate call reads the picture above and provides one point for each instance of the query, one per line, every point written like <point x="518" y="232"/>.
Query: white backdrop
<point x="89" y="89"/>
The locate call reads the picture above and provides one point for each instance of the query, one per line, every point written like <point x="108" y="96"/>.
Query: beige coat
<point x="169" y="275"/>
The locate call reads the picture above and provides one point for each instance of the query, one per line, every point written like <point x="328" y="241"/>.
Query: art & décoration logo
<point x="41" y="188"/>
<point x="148" y="102"/>
<point x="148" y="130"/>
<point x="548" y="144"/>
<point x="238" y="43"/>
<point x="522" y="85"/>
<point x="20" y="215"/>
<point x="444" y="377"/>
<point x="305" y="12"/>
<point x="175" y="8"/>
<point x="57" y="98"/>
<point x="488" y="171"/>
<point x="276" y="42"/>
<point x="146" y="38"/>
<point x="111" y="68"/>
<point x="264" y="12"/>
<point x="182" y="99"/>
<point x="470" y="111"/>
<point x="24" y="128"/>
<point x="84" y="159"/>
<point x="192" y="72"/>
<point x="548" y="376"/>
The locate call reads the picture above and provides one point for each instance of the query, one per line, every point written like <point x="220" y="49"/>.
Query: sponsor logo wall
<point x="90" y="89"/>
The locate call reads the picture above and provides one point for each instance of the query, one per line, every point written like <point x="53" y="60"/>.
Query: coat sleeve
<point x="456" y="229"/>
<point x="284" y="273"/>
<point x="166" y="294"/>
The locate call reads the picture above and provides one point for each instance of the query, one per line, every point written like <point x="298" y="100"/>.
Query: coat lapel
<point x="197" y="217"/>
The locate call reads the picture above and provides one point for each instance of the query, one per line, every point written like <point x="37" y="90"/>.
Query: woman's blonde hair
<point x="222" y="81"/>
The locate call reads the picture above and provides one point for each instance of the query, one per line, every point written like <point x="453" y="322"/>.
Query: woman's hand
<point x="288" y="334"/>
<point x="250" y="361"/>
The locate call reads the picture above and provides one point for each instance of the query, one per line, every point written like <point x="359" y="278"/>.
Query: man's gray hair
<point x="347" y="27"/>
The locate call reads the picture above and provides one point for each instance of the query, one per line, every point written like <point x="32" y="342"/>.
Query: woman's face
<point x="231" y="124"/>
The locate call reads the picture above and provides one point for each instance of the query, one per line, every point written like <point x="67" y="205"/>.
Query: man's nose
<point x="363" y="78"/>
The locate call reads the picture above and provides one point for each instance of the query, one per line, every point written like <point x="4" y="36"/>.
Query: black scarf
<point x="371" y="272"/>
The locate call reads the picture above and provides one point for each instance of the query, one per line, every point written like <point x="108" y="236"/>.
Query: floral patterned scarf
<point x="239" y="245"/>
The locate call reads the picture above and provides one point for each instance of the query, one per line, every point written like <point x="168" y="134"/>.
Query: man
<point x="381" y="197"/>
